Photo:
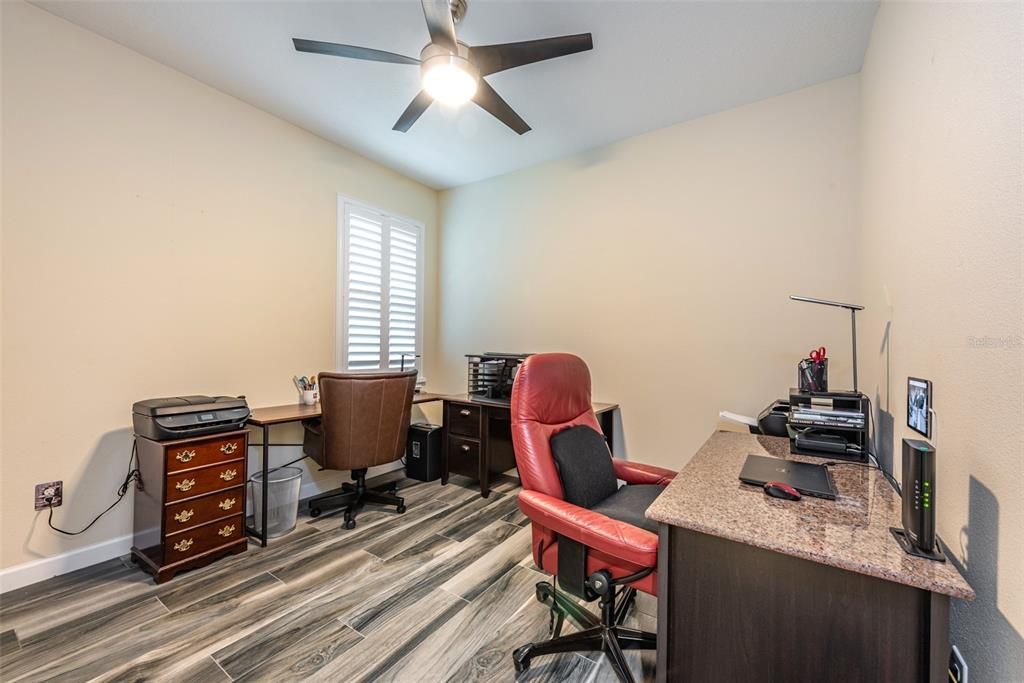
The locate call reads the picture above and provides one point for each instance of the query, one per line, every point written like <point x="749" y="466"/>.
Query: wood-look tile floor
<point x="444" y="592"/>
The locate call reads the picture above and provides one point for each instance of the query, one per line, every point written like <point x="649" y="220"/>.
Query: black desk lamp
<point x="853" y="308"/>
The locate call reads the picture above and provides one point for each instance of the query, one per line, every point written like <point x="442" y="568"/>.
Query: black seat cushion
<point x="584" y="465"/>
<point x="629" y="503"/>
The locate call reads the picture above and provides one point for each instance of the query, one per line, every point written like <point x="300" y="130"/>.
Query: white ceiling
<point x="653" y="64"/>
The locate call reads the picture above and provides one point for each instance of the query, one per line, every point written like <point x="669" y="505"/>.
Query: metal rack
<point x="490" y="375"/>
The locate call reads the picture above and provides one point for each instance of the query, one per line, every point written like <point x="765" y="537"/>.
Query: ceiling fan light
<point x="450" y="80"/>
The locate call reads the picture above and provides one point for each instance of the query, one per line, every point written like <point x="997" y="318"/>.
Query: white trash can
<point x="283" y="485"/>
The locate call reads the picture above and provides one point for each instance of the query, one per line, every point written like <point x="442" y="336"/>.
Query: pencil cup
<point x="309" y="397"/>
<point x="812" y="376"/>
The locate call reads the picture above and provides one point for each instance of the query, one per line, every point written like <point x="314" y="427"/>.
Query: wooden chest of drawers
<point x="191" y="509"/>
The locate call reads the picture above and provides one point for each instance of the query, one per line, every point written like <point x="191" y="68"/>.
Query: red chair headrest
<point x="551" y="388"/>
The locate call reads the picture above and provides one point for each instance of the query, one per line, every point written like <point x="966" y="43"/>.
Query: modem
<point x="917" y="537"/>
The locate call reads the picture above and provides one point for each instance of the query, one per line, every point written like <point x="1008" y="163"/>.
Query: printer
<point x="180" y="417"/>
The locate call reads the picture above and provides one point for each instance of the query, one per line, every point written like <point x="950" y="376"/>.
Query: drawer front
<point x="205" y="453"/>
<point x="194" y="541"/>
<point x="198" y="511"/>
<point x="206" y="480"/>
<point x="463" y="420"/>
<point x="464" y="457"/>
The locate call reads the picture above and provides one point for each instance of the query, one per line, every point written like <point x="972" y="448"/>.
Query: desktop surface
<point x="851" y="532"/>
<point x="293" y="412"/>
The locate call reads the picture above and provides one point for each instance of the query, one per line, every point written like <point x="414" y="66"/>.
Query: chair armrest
<point x="639" y="473"/>
<point x="592" y="529"/>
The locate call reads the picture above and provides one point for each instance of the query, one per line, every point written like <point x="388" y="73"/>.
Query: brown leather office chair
<point x="364" y="422"/>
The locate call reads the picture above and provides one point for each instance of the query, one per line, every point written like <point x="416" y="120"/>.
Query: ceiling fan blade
<point x="491" y="59"/>
<point x="440" y="24"/>
<point x="491" y="102"/>
<point x="351" y="51"/>
<point x="413" y="112"/>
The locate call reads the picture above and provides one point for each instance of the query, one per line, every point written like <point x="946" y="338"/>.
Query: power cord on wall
<point x="134" y="475"/>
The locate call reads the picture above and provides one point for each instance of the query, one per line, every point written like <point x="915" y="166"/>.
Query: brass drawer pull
<point x="185" y="456"/>
<point x="185" y="484"/>
<point x="229" y="448"/>
<point x="465" y="412"/>
<point x="184" y="515"/>
<point x="227" y="531"/>
<point x="228" y="475"/>
<point x="226" y="504"/>
<point x="465" y="448"/>
<point x="182" y="546"/>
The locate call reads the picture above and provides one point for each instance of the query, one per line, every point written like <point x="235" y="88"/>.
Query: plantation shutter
<point x="381" y="299"/>
<point x="403" y="288"/>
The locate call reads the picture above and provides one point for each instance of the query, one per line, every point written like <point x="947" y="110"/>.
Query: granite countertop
<point x="851" y="532"/>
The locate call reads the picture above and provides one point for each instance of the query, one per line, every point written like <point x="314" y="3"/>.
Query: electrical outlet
<point x="54" y="490"/>
<point x="957" y="666"/>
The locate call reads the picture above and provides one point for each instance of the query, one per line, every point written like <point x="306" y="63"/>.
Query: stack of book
<point x="819" y="416"/>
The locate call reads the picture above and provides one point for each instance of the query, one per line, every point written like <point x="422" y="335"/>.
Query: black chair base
<point x="606" y="634"/>
<point x="353" y="496"/>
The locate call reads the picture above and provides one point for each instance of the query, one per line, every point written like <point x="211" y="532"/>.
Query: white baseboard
<point x="25" y="574"/>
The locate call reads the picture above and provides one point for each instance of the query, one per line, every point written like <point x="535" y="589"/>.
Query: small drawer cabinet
<point x="191" y="509"/>
<point x="478" y="437"/>
<point x="478" y="442"/>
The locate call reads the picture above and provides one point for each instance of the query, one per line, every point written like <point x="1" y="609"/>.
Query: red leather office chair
<point x="592" y="555"/>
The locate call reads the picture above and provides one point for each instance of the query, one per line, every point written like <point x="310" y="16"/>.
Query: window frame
<point x="341" y="284"/>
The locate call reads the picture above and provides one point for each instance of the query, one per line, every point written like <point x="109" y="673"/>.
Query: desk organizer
<point x="841" y="400"/>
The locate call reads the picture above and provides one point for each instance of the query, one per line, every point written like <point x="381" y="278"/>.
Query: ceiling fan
<point x="451" y="71"/>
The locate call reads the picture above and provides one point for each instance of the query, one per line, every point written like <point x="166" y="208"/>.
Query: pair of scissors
<point x="818" y="355"/>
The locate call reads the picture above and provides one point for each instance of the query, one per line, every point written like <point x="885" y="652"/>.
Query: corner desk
<point x="753" y="588"/>
<point x="477" y="439"/>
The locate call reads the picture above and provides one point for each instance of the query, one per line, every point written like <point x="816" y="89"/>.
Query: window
<point x="380" y="289"/>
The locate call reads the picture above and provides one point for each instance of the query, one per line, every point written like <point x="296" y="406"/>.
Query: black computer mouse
<point x="776" y="489"/>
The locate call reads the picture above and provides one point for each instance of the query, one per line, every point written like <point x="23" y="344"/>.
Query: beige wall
<point x="159" y="238"/>
<point x="941" y="247"/>
<point x="666" y="262"/>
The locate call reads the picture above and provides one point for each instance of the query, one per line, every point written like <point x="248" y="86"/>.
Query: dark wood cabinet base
<point x="732" y="612"/>
<point x="166" y="572"/>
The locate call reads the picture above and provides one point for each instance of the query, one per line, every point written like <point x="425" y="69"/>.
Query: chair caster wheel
<point x="520" y="660"/>
<point x="314" y="512"/>
<point x="350" y="524"/>
<point x="400" y="509"/>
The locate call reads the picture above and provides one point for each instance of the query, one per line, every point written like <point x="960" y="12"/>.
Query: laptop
<point x="808" y="479"/>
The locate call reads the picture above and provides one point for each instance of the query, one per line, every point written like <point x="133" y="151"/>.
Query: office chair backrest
<point x="551" y="393"/>
<point x="365" y="417"/>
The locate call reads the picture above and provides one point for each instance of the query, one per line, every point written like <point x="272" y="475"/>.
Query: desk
<point x="478" y="437"/>
<point x="755" y="588"/>
<point x="265" y="418"/>
<point x="480" y="445"/>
